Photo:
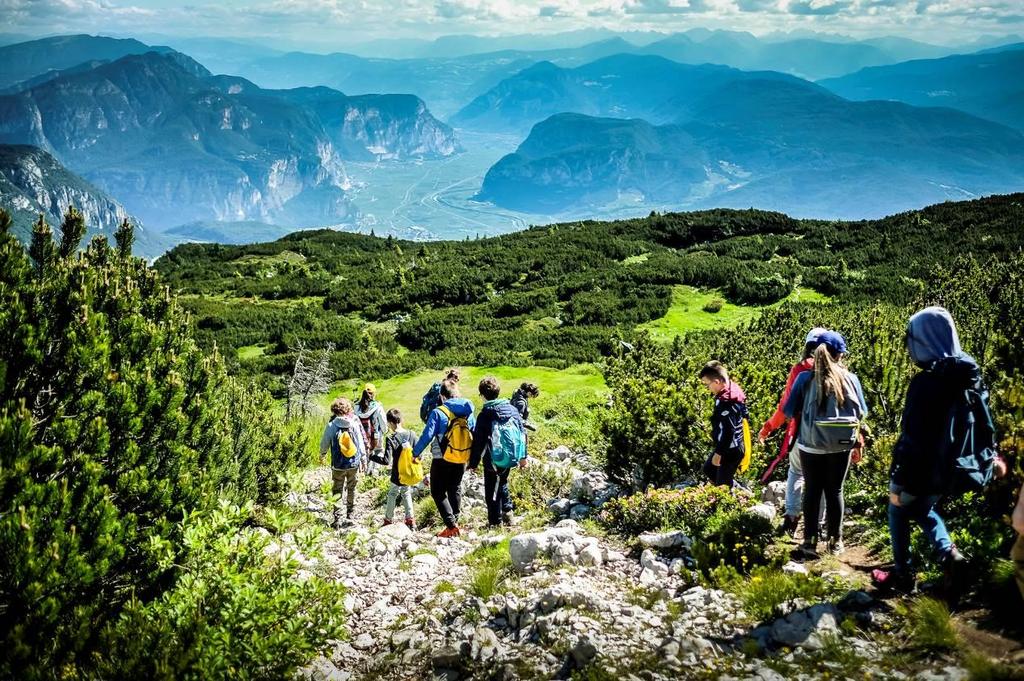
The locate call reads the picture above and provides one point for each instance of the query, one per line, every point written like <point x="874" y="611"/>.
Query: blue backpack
<point x="969" y="441"/>
<point x="508" y="443"/>
<point x="431" y="401"/>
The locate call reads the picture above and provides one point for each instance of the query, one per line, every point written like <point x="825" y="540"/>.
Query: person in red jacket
<point x="794" y="479"/>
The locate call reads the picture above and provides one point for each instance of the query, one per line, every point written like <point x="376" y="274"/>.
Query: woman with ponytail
<point x="829" y="402"/>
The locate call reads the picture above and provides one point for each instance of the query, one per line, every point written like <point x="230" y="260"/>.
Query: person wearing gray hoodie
<point x="918" y="476"/>
<point x="343" y="438"/>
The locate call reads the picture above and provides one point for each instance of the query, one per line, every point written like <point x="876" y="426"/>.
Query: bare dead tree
<point x="311" y="377"/>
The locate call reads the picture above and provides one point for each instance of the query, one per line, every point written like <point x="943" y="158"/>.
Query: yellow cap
<point x="370" y="388"/>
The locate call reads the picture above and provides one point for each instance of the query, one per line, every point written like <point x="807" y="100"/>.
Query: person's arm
<point x="795" y="400"/>
<point x="1018" y="513"/>
<point x="779" y="417"/>
<point x="860" y="395"/>
<point x="917" y="420"/>
<point x="481" y="435"/>
<point x="360" y="440"/>
<point x="381" y="422"/>
<point x="430" y="430"/>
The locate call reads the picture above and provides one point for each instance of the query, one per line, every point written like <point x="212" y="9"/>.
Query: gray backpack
<point x="830" y="428"/>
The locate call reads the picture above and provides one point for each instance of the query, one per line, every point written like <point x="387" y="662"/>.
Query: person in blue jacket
<point x="445" y="476"/>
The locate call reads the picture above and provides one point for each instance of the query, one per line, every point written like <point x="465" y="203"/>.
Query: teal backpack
<point x="508" y="443"/>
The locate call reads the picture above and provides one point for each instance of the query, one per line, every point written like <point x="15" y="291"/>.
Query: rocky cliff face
<point x="395" y="127"/>
<point x="32" y="182"/>
<point x="152" y="131"/>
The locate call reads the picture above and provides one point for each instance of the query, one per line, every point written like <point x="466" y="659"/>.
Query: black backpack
<point x="969" y="441"/>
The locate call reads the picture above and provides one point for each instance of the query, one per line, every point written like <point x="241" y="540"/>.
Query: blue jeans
<point x="921" y="510"/>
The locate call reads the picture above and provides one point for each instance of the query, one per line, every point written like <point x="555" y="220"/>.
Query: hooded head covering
<point x="931" y="335"/>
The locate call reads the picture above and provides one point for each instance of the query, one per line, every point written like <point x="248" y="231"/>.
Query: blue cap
<point x="835" y="342"/>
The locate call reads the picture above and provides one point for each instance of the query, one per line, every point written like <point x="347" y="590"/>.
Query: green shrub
<point x="234" y="611"/>
<point x="714" y="305"/>
<point x="113" y="427"/>
<point x="766" y="588"/>
<point x="533" y="486"/>
<point x="687" y="509"/>
<point x="733" y="538"/>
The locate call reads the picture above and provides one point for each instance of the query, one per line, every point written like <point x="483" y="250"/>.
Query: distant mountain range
<point x="176" y="144"/>
<point x="989" y="84"/>
<point x="621" y="86"/>
<point x="779" y="144"/>
<point x="32" y="182"/>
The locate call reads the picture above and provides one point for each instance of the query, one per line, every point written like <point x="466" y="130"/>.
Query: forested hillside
<point x="554" y="295"/>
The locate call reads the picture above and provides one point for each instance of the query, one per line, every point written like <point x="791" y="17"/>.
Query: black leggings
<point x="824" y="473"/>
<point x="446" y="489"/>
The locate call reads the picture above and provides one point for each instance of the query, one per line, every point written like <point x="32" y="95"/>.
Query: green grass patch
<point x="929" y="626"/>
<point x="766" y="588"/>
<point x="490" y="568"/>
<point x="691" y="311"/>
<point x="406" y="391"/>
<point x="250" y="352"/>
<point x="636" y="259"/>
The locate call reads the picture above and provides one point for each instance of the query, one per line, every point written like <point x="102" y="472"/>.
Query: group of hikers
<point x="363" y="437"/>
<point x="946" y="445"/>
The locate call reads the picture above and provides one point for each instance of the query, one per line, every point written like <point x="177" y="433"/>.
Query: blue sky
<point x="327" y="23"/>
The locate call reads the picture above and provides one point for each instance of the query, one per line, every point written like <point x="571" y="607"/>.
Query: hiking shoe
<point x="448" y="533"/>
<point x="387" y="522"/>
<point x="508" y="520"/>
<point x="893" y="581"/>
<point x="807" y="551"/>
<point x="411" y="524"/>
<point x="954" y="567"/>
<point x="789" y="524"/>
<point x="835" y="547"/>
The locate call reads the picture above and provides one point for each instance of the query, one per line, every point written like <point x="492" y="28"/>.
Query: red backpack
<point x="370" y="432"/>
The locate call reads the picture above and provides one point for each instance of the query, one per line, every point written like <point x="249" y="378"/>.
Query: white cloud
<point x="322" y="22"/>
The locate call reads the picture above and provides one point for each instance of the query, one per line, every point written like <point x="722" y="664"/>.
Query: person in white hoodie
<point x="343" y="437"/>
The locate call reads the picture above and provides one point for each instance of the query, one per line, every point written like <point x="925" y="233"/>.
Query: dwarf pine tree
<point x="113" y="427"/>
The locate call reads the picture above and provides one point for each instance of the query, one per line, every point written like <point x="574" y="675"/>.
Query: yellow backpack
<point x="346" y="445"/>
<point x="410" y="471"/>
<point x="457" y="440"/>
<point x="747" y="447"/>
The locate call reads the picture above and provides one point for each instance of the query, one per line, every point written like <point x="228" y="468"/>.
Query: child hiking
<point x="728" y="424"/>
<point x="449" y="434"/>
<point x="375" y="427"/>
<point x="921" y="471"/>
<point x="398" y="441"/>
<point x="500" y="442"/>
<point x="829" y="402"/>
<point x="794" y="477"/>
<point x="343" y="438"/>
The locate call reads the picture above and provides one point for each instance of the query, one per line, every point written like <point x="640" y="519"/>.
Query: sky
<point x="323" y="23"/>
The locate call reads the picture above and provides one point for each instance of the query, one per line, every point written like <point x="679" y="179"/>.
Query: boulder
<point x="394" y="531"/>
<point x="806" y="627"/>
<point x="579" y="512"/>
<point x="589" y="485"/>
<point x="666" y="540"/>
<point x="363" y="642"/>
<point x="766" y="511"/>
<point x="794" y="568"/>
<point x="775" y="494"/>
<point x="583" y="653"/>
<point x="591" y="555"/>
<point x="560" y="506"/>
<point x="559" y="453"/>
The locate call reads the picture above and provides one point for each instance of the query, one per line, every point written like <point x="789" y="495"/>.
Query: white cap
<point x="814" y="334"/>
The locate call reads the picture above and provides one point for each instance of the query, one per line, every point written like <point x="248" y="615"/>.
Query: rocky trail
<point x="567" y="601"/>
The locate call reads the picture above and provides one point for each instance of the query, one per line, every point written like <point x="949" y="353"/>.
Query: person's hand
<point x="856" y="456"/>
<point x="894" y="499"/>
<point x="999" y="469"/>
<point x="523" y="463"/>
<point x="716" y="460"/>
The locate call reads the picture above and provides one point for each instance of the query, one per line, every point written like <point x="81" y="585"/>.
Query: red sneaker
<point x="386" y="523"/>
<point x="411" y="523"/>
<point x="448" y="533"/>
